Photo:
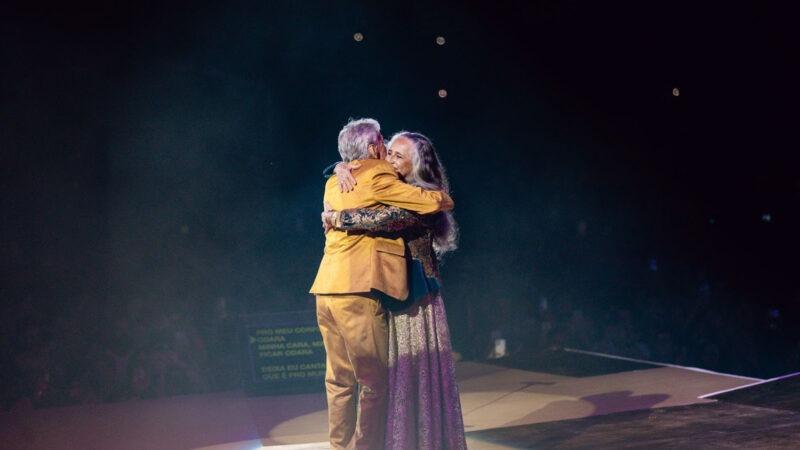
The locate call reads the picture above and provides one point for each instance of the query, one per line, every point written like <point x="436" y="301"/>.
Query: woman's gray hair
<point x="428" y="173"/>
<point x="356" y="137"/>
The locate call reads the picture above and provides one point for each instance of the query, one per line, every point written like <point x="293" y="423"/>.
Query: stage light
<point x="358" y="37"/>
<point x="440" y="40"/>
<point x="184" y="229"/>
<point x="676" y="92"/>
<point x="500" y="349"/>
<point x="442" y="93"/>
<point x="766" y="217"/>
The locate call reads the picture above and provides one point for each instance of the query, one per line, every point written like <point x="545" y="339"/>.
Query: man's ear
<point x="372" y="150"/>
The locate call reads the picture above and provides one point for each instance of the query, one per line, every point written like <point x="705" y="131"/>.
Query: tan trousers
<point x="355" y="333"/>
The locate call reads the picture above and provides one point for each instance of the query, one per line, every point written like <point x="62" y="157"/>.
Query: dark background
<point x="162" y="177"/>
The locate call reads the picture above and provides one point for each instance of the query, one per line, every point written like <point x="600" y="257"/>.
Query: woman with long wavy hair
<point x="424" y="409"/>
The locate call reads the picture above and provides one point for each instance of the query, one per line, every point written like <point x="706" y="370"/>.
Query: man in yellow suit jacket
<point x="354" y="267"/>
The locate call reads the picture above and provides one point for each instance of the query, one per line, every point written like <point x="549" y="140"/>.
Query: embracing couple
<point x="389" y="378"/>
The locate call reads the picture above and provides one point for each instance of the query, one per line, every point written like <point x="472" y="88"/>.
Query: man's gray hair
<point x="356" y="136"/>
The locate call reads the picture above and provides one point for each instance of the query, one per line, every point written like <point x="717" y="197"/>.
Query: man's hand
<point x="344" y="175"/>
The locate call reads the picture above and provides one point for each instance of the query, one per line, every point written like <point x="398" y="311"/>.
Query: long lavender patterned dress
<point x="424" y="410"/>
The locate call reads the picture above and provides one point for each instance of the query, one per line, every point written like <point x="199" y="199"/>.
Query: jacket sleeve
<point x="328" y="172"/>
<point x="382" y="218"/>
<point x="389" y="190"/>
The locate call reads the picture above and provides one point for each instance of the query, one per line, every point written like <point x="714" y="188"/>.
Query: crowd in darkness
<point x="711" y="329"/>
<point x="90" y="352"/>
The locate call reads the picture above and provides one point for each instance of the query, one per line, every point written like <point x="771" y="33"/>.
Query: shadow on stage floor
<point x="562" y="399"/>
<point x="714" y="425"/>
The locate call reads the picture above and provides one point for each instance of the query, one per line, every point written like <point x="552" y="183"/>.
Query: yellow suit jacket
<point x="357" y="262"/>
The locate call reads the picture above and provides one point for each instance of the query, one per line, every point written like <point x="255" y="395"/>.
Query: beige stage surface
<point x="491" y="397"/>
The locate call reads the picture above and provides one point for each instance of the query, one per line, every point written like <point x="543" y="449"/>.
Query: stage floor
<point x="500" y="405"/>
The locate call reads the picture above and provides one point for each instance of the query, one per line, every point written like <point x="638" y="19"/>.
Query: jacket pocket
<point x="394" y="247"/>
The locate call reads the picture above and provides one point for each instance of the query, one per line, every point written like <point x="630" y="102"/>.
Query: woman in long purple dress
<point x="424" y="410"/>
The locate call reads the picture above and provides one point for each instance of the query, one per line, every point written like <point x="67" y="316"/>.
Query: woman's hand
<point x="344" y="175"/>
<point x="329" y="217"/>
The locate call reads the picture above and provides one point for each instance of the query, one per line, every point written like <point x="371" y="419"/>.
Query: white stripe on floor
<point x="643" y="361"/>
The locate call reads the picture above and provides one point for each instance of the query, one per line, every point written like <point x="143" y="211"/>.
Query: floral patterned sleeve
<point x="382" y="218"/>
